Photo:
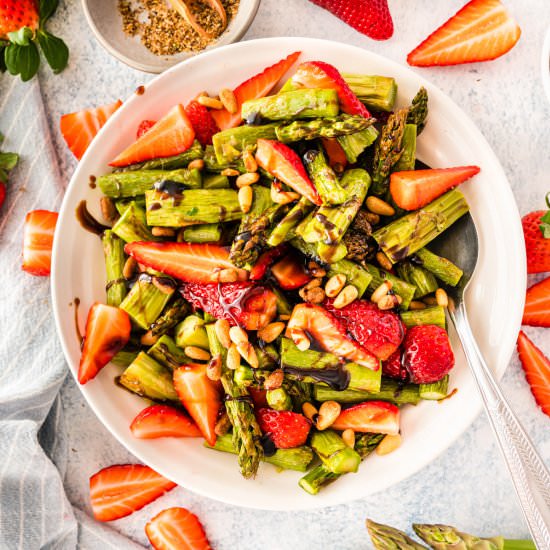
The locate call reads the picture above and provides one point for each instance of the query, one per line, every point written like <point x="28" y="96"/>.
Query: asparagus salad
<point x="270" y="285"/>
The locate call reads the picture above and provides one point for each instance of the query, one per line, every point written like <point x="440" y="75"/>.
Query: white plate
<point x="495" y="297"/>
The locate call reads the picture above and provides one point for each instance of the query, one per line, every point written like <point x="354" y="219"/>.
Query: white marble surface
<point x="467" y="485"/>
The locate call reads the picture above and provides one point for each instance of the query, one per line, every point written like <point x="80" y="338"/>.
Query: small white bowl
<point x="106" y="24"/>
<point x="545" y="64"/>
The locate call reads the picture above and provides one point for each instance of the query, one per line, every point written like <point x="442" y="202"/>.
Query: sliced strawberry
<point x="380" y="332"/>
<point x="329" y="333"/>
<point x="171" y="135"/>
<point x="189" y="262"/>
<point x="290" y="272"/>
<point x="537" y="371"/>
<point x="118" y="491"/>
<point x="265" y="261"/>
<point x="80" y="128"/>
<point x="376" y="417"/>
<point x="253" y="88"/>
<point x="200" y="396"/>
<point x="393" y="367"/>
<point x="283" y="163"/>
<point x="176" y="529"/>
<point x="144" y="127"/>
<point x="413" y="189"/>
<point x="537" y="241"/>
<point x="203" y="123"/>
<point x="287" y="429"/>
<point x="163" y="421"/>
<point x="335" y="153"/>
<point x="537" y="305"/>
<point x="38" y="235"/>
<point x="482" y="30"/>
<point x="259" y="398"/>
<point x="318" y="74"/>
<point x="251" y="306"/>
<point x="107" y="332"/>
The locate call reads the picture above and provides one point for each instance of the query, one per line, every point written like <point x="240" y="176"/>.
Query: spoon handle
<point x="529" y="474"/>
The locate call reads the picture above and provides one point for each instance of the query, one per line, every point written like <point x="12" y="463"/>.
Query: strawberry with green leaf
<point x="536" y="230"/>
<point x="8" y="161"/>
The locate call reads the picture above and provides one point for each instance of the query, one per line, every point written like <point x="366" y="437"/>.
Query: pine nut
<point x="349" y="437"/>
<point x="430" y="300"/>
<point x="417" y="304"/>
<point x="328" y="413"/>
<point x="228" y="275"/>
<point x="314" y="283"/>
<point x="108" y="209"/>
<point x="284" y="317"/>
<point x="389" y="444"/>
<point x="380" y="207"/>
<point x="229" y="172"/>
<point x="214" y="368"/>
<point x="316" y="270"/>
<point x="238" y="335"/>
<point x="274" y="380"/>
<point x="163" y="232"/>
<point x="441" y="297"/>
<point x="384" y="261"/>
<point x="314" y="295"/>
<point x="197" y="164"/>
<point x="300" y="339"/>
<point x="381" y="291"/>
<point x="198" y="354"/>
<point x="223" y="425"/>
<point x="347" y="295"/>
<point x="148" y="339"/>
<point x="248" y="353"/>
<point x="129" y="268"/>
<point x="283" y="197"/>
<point x="227" y="97"/>
<point x="271" y="332"/>
<point x="247" y="179"/>
<point x="310" y="412"/>
<point x="210" y="102"/>
<point x="249" y="161"/>
<point x="166" y="287"/>
<point x="387" y="302"/>
<point x="245" y="198"/>
<point x="233" y="359"/>
<point x="221" y="328"/>
<point x="335" y="284"/>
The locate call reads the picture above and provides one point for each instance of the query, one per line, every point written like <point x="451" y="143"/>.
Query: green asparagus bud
<point x="212" y="165"/>
<point x="192" y="332"/>
<point x="355" y="274"/>
<point x="421" y="278"/>
<point x="354" y="144"/>
<point x="205" y="233"/>
<point x="442" y="268"/>
<point x="168" y="354"/>
<point x="170" y="318"/>
<point x="279" y="399"/>
<point x="435" y="390"/>
<point x="408" y="234"/>
<point x="385" y="537"/>
<point x="324" y="178"/>
<point x="215" y="181"/>
<point x="113" y="249"/>
<point x="132" y="225"/>
<point x="282" y="231"/>
<point x="445" y="537"/>
<point x="400" y="287"/>
<point x="334" y="453"/>
<point x="376" y="92"/>
<point x="418" y="111"/>
<point x="124" y="357"/>
<point x="430" y="316"/>
<point x="169" y="163"/>
<point x="331" y="253"/>
<point x="229" y="144"/>
<point x="408" y="157"/>
<point x="300" y="393"/>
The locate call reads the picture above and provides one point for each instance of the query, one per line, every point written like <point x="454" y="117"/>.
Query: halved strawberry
<point x="120" y="490"/>
<point x="318" y="74"/>
<point x="176" y="529"/>
<point x="537" y="305"/>
<point x="537" y="371"/>
<point x="482" y="30"/>
<point x="203" y="123"/>
<point x="171" y="135"/>
<point x="287" y="429"/>
<point x="80" y="128"/>
<point x="335" y="153"/>
<point x="189" y="262"/>
<point x="163" y="421"/>
<point x="413" y="189"/>
<point x="393" y="367"/>
<point x="329" y="333"/>
<point x="38" y="235"/>
<point x="144" y="127"/>
<point x="253" y="88"/>
<point x="245" y="304"/>
<point x="265" y="261"/>
<point x="107" y="332"/>
<point x="536" y="232"/>
<point x="283" y="163"/>
<point x="290" y="273"/>
<point x="200" y="396"/>
<point x="371" y="416"/>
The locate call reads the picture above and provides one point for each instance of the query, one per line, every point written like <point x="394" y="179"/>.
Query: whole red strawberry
<point x="369" y="17"/>
<point x="393" y="366"/>
<point x="428" y="356"/>
<point x="286" y="428"/>
<point x="202" y="121"/>
<point x="536" y="230"/>
<point x="15" y="14"/>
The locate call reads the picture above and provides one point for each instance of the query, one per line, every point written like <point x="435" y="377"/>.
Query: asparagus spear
<point x="400" y="287"/>
<point x="418" y="111"/>
<point x="435" y="390"/>
<point x="421" y="278"/>
<point x="334" y="453"/>
<point x="132" y="225"/>
<point x="390" y="390"/>
<point x="122" y="204"/>
<point x="430" y="316"/>
<point x="442" y="268"/>
<point x="408" y="157"/>
<point x="169" y="163"/>
<point x="385" y="537"/>
<point x="324" y="178"/>
<point x="215" y="181"/>
<point x="229" y="144"/>
<point x="408" y="234"/>
<point x="297" y="458"/>
<point x="212" y="165"/>
<point x="167" y="353"/>
<point x="331" y="127"/>
<point x="170" y="318"/>
<point x="279" y="399"/>
<point x="354" y="144"/>
<point x="113" y="249"/>
<point x="124" y="357"/>
<point x="205" y="233"/>
<point x="282" y="231"/>
<point x="331" y="253"/>
<point x="376" y="92"/>
<point x="388" y="151"/>
<point x="193" y="207"/>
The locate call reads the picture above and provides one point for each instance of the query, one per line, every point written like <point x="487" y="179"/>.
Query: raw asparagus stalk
<point x="355" y="274"/>
<point x="212" y="165"/>
<point x="354" y="144"/>
<point x="421" y="278"/>
<point x="149" y="379"/>
<point x="442" y="268"/>
<point x="205" y="233"/>
<point x="194" y="207"/>
<point x="298" y="104"/>
<point x="229" y="144"/>
<point x="113" y="249"/>
<point x="297" y="458"/>
<point x="145" y="301"/>
<point x="215" y="181"/>
<point x="408" y="234"/>
<point x="167" y="353"/>
<point x="400" y="287"/>
<point x="169" y="163"/>
<point x="279" y="399"/>
<point x="388" y="151"/>
<point x="418" y="111"/>
<point x="170" y="318"/>
<point x="334" y="453"/>
<point x="408" y="157"/>
<point x="132" y="225"/>
<point x="324" y="178"/>
<point x="376" y="92"/>
<point x="122" y="204"/>
<point x="283" y="229"/>
<point x="385" y="537"/>
<point x="322" y="127"/>
<point x="124" y="357"/>
<point x="430" y="316"/>
<point x="435" y="390"/>
<point x="390" y="390"/>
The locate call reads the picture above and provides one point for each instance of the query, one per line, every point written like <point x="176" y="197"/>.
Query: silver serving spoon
<point x="529" y="474"/>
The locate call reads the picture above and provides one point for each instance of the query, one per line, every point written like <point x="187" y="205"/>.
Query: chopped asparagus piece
<point x="435" y="390"/>
<point x="268" y="356"/>
<point x="354" y="144"/>
<point x="390" y="390"/>
<point x="376" y="92"/>
<point x="170" y="318"/>
<point x="215" y="181"/>
<point x="279" y="399"/>
<point x="408" y="157"/>
<point x="418" y="111"/>
<point x="324" y="178"/>
<point x="332" y="127"/>
<point x="300" y="393"/>
<point x="400" y="287"/>
<point x="122" y="204"/>
<point x="282" y="231"/>
<point x="212" y="165"/>
<point x="229" y="144"/>
<point x="442" y="268"/>
<point x="113" y="249"/>
<point x="334" y="453"/>
<point x="168" y="354"/>
<point x="355" y="274"/>
<point x="191" y="332"/>
<point x="331" y="253"/>
<point x="421" y="278"/>
<point x="132" y="225"/>
<point x="169" y="163"/>
<point x="430" y="316"/>
<point x="124" y="357"/>
<point x="205" y="233"/>
<point x="385" y="537"/>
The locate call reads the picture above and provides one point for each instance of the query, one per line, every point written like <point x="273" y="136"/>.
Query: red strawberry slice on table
<point x="537" y="305"/>
<point x="372" y="416"/>
<point x="163" y="421"/>
<point x="120" y="490"/>
<point x="370" y="17"/>
<point x="144" y="127"/>
<point x="537" y="371"/>
<point x="38" y="234"/>
<point x="107" y="332"/>
<point x="171" y="135"/>
<point x="189" y="262"/>
<point x="204" y="124"/>
<point x="245" y="304"/>
<point x="200" y="396"/>
<point x="287" y="429"/>
<point x="482" y="30"/>
<point x="536" y="230"/>
<point x="80" y="128"/>
<point x="176" y="529"/>
<point x="16" y="14"/>
<point x="290" y="273"/>
<point x="284" y="164"/>
<point x="413" y="189"/>
<point x="253" y="88"/>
